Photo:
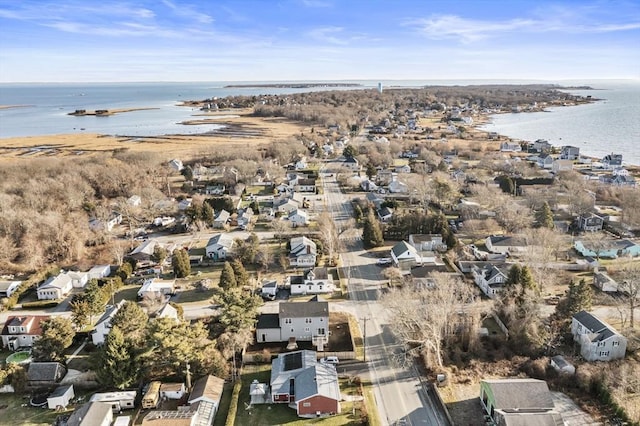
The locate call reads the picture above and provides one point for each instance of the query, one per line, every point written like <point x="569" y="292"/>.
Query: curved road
<point x="401" y="396"/>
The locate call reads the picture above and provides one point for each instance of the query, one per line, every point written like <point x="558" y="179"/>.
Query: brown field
<point x="241" y="131"/>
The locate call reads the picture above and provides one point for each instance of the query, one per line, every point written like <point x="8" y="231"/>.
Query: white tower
<point x="379" y="87"/>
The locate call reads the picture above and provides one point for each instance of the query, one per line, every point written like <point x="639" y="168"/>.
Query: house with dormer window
<point x="490" y="278"/>
<point x="598" y="341"/>
<point x="21" y="331"/>
<point x="303" y="252"/>
<point x="314" y="281"/>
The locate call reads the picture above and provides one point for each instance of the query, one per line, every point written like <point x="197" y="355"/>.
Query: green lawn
<point x="280" y="414"/>
<point x="13" y="413"/>
<point x="128" y="292"/>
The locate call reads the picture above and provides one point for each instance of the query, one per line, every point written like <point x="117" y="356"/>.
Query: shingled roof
<point x="312" y="308"/>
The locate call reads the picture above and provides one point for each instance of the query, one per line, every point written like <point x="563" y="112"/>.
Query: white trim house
<point x="598" y="340"/>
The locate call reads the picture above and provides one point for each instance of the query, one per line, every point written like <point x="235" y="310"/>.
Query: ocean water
<point x="609" y="125"/>
<point x="600" y="128"/>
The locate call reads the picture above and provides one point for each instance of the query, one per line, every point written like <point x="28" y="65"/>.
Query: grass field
<point x="13" y="413"/>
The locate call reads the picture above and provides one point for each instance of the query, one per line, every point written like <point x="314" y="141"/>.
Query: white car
<point x="330" y="360"/>
<point x="384" y="261"/>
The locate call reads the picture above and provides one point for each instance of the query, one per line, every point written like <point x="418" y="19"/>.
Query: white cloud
<point x="329" y="35"/>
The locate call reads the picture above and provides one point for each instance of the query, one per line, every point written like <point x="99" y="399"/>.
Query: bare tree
<point x="428" y="316"/>
<point x="329" y="235"/>
<point x="629" y="286"/>
<point x="280" y="227"/>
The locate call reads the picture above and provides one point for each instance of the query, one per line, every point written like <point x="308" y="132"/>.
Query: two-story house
<point x="490" y="279"/>
<point x="103" y="326"/>
<point x="305" y="185"/>
<point x="303" y="252"/>
<point x="598" y="341"/>
<point x="590" y="222"/>
<point x="301" y="321"/>
<point x="569" y="152"/>
<point x="21" y="331"/>
<point x="314" y="281"/>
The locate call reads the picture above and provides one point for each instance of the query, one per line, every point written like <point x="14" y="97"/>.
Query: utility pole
<point x="364" y="338"/>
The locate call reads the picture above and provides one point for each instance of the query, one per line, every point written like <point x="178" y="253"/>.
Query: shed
<point x="60" y="397"/>
<point x="259" y="392"/>
<point x="172" y="390"/>
<point x="561" y="365"/>
<point x="122" y="421"/>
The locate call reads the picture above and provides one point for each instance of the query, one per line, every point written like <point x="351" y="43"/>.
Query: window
<point x="287" y="320"/>
<point x="307" y="329"/>
<point x="604" y="353"/>
<point x="306" y="404"/>
<point x="601" y="344"/>
<point x="308" y="320"/>
<point x="321" y="331"/>
<point x="616" y="344"/>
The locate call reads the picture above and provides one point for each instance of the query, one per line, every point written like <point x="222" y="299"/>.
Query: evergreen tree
<point x="371" y="171"/>
<point x="57" y="335"/>
<point x="181" y="264"/>
<point x="544" y="217"/>
<point x="207" y="213"/>
<point x="579" y="298"/>
<point x="131" y="320"/>
<point x="80" y="312"/>
<point x="241" y="275"/>
<point x="371" y="232"/>
<point x="526" y="279"/>
<point x="227" y="277"/>
<point x="513" y="279"/>
<point x="159" y="254"/>
<point x="117" y="365"/>
<point x="357" y="213"/>
<point x="349" y="151"/>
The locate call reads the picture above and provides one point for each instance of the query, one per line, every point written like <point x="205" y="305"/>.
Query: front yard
<point x="15" y="410"/>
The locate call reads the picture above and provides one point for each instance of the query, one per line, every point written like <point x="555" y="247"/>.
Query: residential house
<point x="91" y="414"/>
<point x="99" y="271"/>
<point x="103" y="325"/>
<point x="305" y="185"/>
<point x="561" y="166"/>
<point x="172" y="390"/>
<point x="618" y="177"/>
<point x="368" y="185"/>
<point x="598" y="341"/>
<point x="78" y="279"/>
<point x="541" y="146"/>
<point x="301" y="163"/>
<point x="510" y="147"/>
<point x="298" y="218"/>
<point x="570" y="153"/>
<point x="156" y="287"/>
<point x="303" y="252"/>
<point x="60" y="397"/>
<point x="205" y="398"/>
<point x="604" y="282"/>
<point x="299" y="380"/>
<point x="385" y="177"/>
<point x="221" y="219"/>
<point x="54" y="288"/>
<point x="427" y="242"/>
<point x="287" y="206"/>
<point x="45" y="374"/>
<point x="351" y="163"/>
<point x="518" y="402"/>
<point x="118" y="401"/>
<point x="375" y="200"/>
<point x="385" y="214"/>
<point x="21" y="331"/>
<point x="269" y="289"/>
<point x="490" y="278"/>
<point x="7" y="288"/>
<point x="545" y="161"/>
<point x="134" y="201"/>
<point x="176" y="165"/>
<point x="612" y="250"/>
<point x="505" y="244"/>
<point x="590" y="222"/>
<point x="398" y="187"/>
<point x="404" y="168"/>
<point x="404" y="252"/>
<point x="167" y="311"/>
<point x="114" y="219"/>
<point x="219" y="246"/>
<point x="144" y="252"/>
<point x="295" y="320"/>
<point x="612" y="161"/>
<point x="315" y="281"/>
<point x="244" y="218"/>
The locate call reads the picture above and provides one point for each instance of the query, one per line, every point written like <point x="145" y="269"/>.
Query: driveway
<point x="571" y="413"/>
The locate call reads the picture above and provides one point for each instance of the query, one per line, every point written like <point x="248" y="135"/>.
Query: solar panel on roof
<point x="292" y="361"/>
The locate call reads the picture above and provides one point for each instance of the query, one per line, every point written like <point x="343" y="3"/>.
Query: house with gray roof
<point x="515" y="402"/>
<point x="221" y="219"/>
<point x="311" y="387"/>
<point x="303" y="252"/>
<point x="219" y="246"/>
<point x="490" y="278"/>
<point x="103" y="325"/>
<point x="598" y="340"/>
<point x="404" y="252"/>
<point x="315" y="281"/>
<point x="301" y="321"/>
<point x="503" y="244"/>
<point x="92" y="414"/>
<point x="45" y="374"/>
<point x="8" y="287"/>
<point x="604" y="282"/>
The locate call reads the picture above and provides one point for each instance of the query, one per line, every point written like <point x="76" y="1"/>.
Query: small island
<point x="291" y="85"/>
<point x="105" y="112"/>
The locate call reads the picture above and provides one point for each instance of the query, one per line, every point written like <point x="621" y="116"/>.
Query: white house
<point x="489" y="278"/>
<point x="172" y="390"/>
<point x="167" y="311"/>
<point x="504" y="244"/>
<point x="7" y="288"/>
<point x="427" y="242"/>
<point x="351" y="163"/>
<point x="404" y="252"/>
<point x="396" y="186"/>
<point x="60" y="397"/>
<point x="57" y="287"/>
<point x="122" y="400"/>
<point x="218" y="246"/>
<point x="315" y="281"/>
<point x="78" y="279"/>
<point x="301" y="321"/>
<point x="99" y="271"/>
<point x="604" y="282"/>
<point x="298" y="218"/>
<point x="287" y="206"/>
<point x="221" y="219"/>
<point x="303" y="252"/>
<point x="598" y="340"/>
<point x="545" y="161"/>
<point x="21" y="331"/>
<point x="561" y="166"/>
<point x="510" y="147"/>
<point x="134" y="201"/>
<point x="103" y="325"/>
<point x="154" y="287"/>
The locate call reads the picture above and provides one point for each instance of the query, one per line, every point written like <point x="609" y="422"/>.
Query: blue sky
<point x="255" y="40"/>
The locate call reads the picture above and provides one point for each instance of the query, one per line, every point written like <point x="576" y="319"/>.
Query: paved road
<point x="401" y="396"/>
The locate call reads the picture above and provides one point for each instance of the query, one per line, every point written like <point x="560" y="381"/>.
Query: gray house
<point x="570" y="153"/>
<point x="590" y="222"/>
<point x="298" y="320"/>
<point x="598" y="341"/>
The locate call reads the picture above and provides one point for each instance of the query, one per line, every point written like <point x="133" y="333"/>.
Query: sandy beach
<point x="241" y="129"/>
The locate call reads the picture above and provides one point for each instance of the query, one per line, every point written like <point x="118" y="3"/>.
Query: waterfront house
<point x="545" y="161"/>
<point x="309" y="386"/>
<point x="598" y="341"/>
<point x="612" y="161"/>
<point x="541" y="145"/>
<point x="569" y="152"/>
<point x="561" y="166"/>
<point x="510" y="147"/>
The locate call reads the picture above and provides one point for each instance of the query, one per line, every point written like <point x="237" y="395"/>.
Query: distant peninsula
<point x="292" y="85"/>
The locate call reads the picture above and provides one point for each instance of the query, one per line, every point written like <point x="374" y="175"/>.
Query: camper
<point x="152" y="396"/>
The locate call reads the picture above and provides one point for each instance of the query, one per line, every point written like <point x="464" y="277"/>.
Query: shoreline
<point x="107" y="112"/>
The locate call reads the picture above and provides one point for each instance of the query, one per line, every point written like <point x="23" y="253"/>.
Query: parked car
<point x="330" y="360"/>
<point x="384" y="261"/>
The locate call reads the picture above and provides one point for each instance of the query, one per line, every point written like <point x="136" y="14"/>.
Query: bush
<point x="42" y="304"/>
<point x="233" y="407"/>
